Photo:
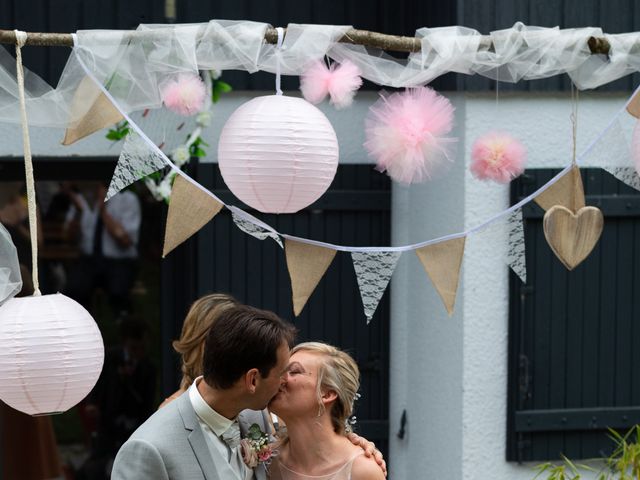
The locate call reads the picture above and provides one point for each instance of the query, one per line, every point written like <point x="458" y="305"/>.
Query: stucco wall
<point x="451" y="374"/>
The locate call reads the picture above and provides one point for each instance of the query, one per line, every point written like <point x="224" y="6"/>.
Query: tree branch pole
<point x="390" y="43"/>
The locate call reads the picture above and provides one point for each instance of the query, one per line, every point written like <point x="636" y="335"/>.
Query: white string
<point x="344" y="248"/>
<point x="21" y="39"/>
<point x="280" y="31"/>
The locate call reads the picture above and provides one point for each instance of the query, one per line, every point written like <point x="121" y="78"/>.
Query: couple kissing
<point x="246" y="363"/>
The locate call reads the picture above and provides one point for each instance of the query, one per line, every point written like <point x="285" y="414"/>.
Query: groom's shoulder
<point x="165" y="424"/>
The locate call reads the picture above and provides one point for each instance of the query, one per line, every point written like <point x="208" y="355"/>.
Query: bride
<point x="315" y="401"/>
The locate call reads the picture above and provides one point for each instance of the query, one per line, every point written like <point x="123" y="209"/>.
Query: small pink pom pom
<point x="406" y="133"/>
<point x="497" y="156"/>
<point x="340" y="81"/>
<point x="184" y="94"/>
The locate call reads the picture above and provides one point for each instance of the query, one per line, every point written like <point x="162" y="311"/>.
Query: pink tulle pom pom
<point x="184" y="94"/>
<point x="340" y="82"/>
<point x="406" y="134"/>
<point x="497" y="156"/>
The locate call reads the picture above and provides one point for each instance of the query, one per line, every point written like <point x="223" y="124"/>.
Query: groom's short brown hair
<point x="243" y="338"/>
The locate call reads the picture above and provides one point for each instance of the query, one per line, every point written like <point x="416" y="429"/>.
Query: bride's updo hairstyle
<point x="338" y="372"/>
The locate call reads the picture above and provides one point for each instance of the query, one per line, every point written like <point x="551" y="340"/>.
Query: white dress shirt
<point x="124" y="207"/>
<point x="213" y="426"/>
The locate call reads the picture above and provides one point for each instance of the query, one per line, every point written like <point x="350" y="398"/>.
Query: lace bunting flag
<point x="627" y="175"/>
<point x="516" y="258"/>
<point x="255" y="230"/>
<point x="373" y="272"/>
<point x="137" y="160"/>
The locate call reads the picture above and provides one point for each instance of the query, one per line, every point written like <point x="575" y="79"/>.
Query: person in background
<point x="123" y="398"/>
<point x="107" y="234"/>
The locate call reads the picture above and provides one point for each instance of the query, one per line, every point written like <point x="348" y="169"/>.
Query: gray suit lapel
<point x="196" y="438"/>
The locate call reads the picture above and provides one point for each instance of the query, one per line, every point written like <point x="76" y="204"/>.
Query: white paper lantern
<point x="51" y="353"/>
<point x="278" y="154"/>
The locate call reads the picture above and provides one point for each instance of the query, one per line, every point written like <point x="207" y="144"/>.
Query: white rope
<point x="280" y="31"/>
<point x="21" y="39"/>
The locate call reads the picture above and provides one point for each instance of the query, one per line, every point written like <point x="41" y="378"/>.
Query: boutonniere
<point x="256" y="448"/>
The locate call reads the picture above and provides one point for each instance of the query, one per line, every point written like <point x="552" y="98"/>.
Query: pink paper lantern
<point x="278" y="154"/>
<point x="51" y="353"/>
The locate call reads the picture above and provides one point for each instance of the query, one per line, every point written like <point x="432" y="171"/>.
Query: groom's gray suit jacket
<point x="170" y="445"/>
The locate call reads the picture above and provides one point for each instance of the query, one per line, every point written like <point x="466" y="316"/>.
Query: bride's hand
<point x="370" y="450"/>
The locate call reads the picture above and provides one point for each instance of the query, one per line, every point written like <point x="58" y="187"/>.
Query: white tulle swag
<point x="407" y="134"/>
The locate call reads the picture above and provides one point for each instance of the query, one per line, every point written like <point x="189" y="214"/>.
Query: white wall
<point x="451" y="374"/>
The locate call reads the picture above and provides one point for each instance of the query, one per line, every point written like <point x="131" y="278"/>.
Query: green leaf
<point x="224" y="87"/>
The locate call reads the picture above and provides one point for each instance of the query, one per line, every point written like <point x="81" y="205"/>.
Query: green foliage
<point x="196" y="150"/>
<point x="120" y="131"/>
<point x="623" y="464"/>
<point x="218" y="87"/>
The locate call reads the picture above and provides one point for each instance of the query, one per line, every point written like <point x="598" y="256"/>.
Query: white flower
<point x="164" y="188"/>
<point x="180" y="155"/>
<point x="203" y="119"/>
<point x="153" y="188"/>
<point x="215" y="74"/>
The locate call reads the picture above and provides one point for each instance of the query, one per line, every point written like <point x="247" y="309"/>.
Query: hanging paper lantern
<point x="51" y="353"/>
<point x="497" y="156"/>
<point x="407" y="134"/>
<point x="278" y="154"/>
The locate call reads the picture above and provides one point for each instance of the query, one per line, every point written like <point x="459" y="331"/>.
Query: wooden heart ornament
<point x="570" y="235"/>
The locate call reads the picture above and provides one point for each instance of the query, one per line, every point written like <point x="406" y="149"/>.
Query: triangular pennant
<point x="567" y="191"/>
<point x="634" y="106"/>
<point x="442" y="263"/>
<point x="137" y="160"/>
<point x="627" y="175"/>
<point x="255" y="230"/>
<point x="190" y="208"/>
<point x="91" y="111"/>
<point x="373" y="272"/>
<point x="307" y="264"/>
<point x="516" y="250"/>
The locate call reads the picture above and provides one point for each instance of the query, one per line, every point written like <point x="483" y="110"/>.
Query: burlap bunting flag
<point x="442" y="263"/>
<point x="567" y="191"/>
<point x="634" y="106"/>
<point x="307" y="264"/>
<point x="91" y="111"/>
<point x="190" y="208"/>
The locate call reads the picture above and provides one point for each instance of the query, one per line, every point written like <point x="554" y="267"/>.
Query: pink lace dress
<point x="279" y="471"/>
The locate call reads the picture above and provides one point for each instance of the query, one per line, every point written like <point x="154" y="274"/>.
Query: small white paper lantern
<point x="51" y="353"/>
<point x="278" y="154"/>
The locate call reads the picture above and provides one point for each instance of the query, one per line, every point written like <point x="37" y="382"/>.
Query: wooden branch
<point x="390" y="43"/>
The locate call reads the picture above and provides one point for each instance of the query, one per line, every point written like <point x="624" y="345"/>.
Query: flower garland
<point x="160" y="183"/>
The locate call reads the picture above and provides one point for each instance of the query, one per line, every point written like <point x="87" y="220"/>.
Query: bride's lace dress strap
<point x="279" y="471"/>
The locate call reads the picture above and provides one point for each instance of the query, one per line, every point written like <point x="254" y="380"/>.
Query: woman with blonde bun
<point x="202" y="314"/>
<point x="316" y="401"/>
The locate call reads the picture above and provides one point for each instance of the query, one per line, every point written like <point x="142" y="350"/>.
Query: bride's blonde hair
<point x="338" y="372"/>
<point x="202" y="314"/>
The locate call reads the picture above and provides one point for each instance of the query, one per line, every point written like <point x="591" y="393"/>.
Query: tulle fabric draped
<point x="133" y="66"/>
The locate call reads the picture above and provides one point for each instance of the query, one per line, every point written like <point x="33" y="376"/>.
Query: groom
<point x="193" y="437"/>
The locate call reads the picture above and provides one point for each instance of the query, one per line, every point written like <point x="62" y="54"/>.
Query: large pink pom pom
<point x="184" y="94"/>
<point x="497" y="156"/>
<point x="406" y="134"/>
<point x="339" y="81"/>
